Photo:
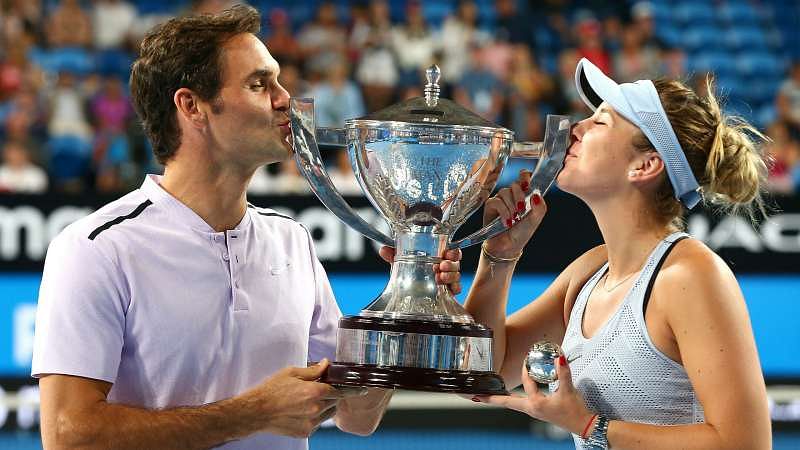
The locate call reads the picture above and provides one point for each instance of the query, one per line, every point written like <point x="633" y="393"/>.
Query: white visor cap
<point x="639" y="103"/>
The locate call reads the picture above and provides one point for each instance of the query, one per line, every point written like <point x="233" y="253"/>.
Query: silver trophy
<point x="426" y="165"/>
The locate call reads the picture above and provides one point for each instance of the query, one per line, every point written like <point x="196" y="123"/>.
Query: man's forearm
<point x="361" y="415"/>
<point x="111" y="426"/>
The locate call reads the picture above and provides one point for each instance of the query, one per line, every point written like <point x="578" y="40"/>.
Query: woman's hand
<point x="447" y="272"/>
<point x="564" y="407"/>
<point x="509" y="205"/>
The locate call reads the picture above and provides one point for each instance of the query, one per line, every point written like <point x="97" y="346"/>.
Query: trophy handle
<point x="551" y="154"/>
<point x="309" y="162"/>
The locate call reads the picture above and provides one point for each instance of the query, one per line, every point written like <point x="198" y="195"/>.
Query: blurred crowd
<point x="67" y="125"/>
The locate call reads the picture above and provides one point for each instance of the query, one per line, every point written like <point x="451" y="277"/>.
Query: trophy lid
<point x="429" y="110"/>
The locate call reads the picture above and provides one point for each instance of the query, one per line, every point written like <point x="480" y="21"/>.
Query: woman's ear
<point x="646" y="167"/>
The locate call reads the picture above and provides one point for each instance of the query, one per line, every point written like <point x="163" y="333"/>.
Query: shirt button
<point x="225" y="256"/>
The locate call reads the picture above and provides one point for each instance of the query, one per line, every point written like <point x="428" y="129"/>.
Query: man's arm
<point x="75" y="414"/>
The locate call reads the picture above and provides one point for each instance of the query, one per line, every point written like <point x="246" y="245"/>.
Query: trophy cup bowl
<point x="426" y="165"/>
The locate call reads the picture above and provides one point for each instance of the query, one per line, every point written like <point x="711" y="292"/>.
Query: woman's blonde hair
<point x="725" y="153"/>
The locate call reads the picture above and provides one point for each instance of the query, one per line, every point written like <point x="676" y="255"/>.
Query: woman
<point x="652" y="323"/>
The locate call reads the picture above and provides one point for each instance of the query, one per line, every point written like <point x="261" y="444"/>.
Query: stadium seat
<point x="719" y="62"/>
<point x="743" y="37"/>
<point x="700" y="38"/>
<point x="69" y="157"/>
<point x="694" y="13"/>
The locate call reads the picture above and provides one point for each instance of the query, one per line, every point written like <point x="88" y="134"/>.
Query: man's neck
<point x="217" y="195"/>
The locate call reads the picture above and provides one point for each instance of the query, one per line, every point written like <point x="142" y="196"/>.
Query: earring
<point x="632" y="173"/>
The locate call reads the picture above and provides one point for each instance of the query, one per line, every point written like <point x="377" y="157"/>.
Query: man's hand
<point x="293" y="402"/>
<point x="447" y="272"/>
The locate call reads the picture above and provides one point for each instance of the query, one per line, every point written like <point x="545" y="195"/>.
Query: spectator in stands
<point x="280" y="39"/>
<point x="68" y="109"/>
<point x="22" y="23"/>
<point x="111" y="111"/>
<point x="634" y="61"/>
<point x="788" y="100"/>
<point x="291" y="79"/>
<point x="18" y="174"/>
<point x="323" y="42"/>
<point x="459" y="34"/>
<point x="69" y="26"/>
<point x="479" y="90"/>
<point x="336" y="98"/>
<point x="529" y="87"/>
<point x="567" y="60"/>
<point x="414" y="44"/>
<point x="670" y="360"/>
<point x="112" y="21"/>
<point x="643" y="19"/>
<point x="376" y="70"/>
<point x="590" y="43"/>
<point x="513" y="22"/>
<point x="784" y="152"/>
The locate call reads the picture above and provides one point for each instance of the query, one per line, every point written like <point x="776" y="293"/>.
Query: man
<point x="179" y="316"/>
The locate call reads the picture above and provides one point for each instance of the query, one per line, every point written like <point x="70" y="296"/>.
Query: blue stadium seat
<point x="750" y="64"/>
<point x="69" y="157"/>
<point x="700" y="38"/>
<point x="719" y="62"/>
<point x="738" y="13"/>
<point x="436" y="11"/>
<point x="71" y="59"/>
<point x="694" y="12"/>
<point x="742" y="37"/>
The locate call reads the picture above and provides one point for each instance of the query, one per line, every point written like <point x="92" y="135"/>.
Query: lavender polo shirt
<point x="145" y="295"/>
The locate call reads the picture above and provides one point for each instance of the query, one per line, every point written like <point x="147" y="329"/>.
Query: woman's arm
<point x="488" y="297"/>
<point x="707" y="315"/>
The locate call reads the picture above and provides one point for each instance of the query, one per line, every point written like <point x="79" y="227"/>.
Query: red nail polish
<point x="562" y="360"/>
<point x="524" y="185"/>
<point x="476" y="399"/>
<point x="520" y="206"/>
<point x="509" y="223"/>
<point x="537" y="199"/>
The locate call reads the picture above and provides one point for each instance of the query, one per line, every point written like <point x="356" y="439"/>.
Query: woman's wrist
<point x="500" y="256"/>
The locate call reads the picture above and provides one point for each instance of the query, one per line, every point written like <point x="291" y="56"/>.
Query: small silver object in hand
<point x="540" y="362"/>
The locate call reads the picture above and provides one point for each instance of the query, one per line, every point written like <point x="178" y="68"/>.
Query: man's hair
<point x="184" y="52"/>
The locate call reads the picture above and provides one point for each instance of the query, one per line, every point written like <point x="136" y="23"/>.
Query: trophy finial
<point x="432" y="75"/>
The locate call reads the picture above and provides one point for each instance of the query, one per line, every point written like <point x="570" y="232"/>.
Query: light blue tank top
<point x="619" y="372"/>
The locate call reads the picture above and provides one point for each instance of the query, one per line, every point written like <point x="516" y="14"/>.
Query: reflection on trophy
<point x="540" y="362"/>
<point x="426" y="165"/>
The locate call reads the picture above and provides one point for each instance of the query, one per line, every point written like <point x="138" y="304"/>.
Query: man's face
<point x="249" y="119"/>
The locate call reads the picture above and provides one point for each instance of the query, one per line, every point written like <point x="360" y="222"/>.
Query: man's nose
<point x="280" y="101"/>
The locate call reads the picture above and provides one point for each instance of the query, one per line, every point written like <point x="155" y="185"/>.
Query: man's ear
<point x="189" y="108"/>
<point x="648" y="166"/>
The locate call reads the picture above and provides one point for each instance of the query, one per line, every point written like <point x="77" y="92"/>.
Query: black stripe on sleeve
<point x="119" y="219"/>
<point x="655" y="272"/>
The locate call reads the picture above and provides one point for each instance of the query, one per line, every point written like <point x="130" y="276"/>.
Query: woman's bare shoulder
<point x="693" y="273"/>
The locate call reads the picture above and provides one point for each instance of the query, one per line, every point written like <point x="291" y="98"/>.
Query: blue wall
<point x="772" y="301"/>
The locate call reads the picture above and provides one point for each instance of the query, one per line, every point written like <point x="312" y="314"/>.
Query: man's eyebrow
<point x="260" y="73"/>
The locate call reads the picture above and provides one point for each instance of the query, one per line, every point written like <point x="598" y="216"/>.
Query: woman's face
<point x="601" y="155"/>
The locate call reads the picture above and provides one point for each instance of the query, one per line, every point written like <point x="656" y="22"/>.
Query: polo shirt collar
<point x="160" y="197"/>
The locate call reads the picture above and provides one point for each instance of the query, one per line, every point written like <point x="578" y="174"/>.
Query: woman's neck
<point x="630" y="232"/>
